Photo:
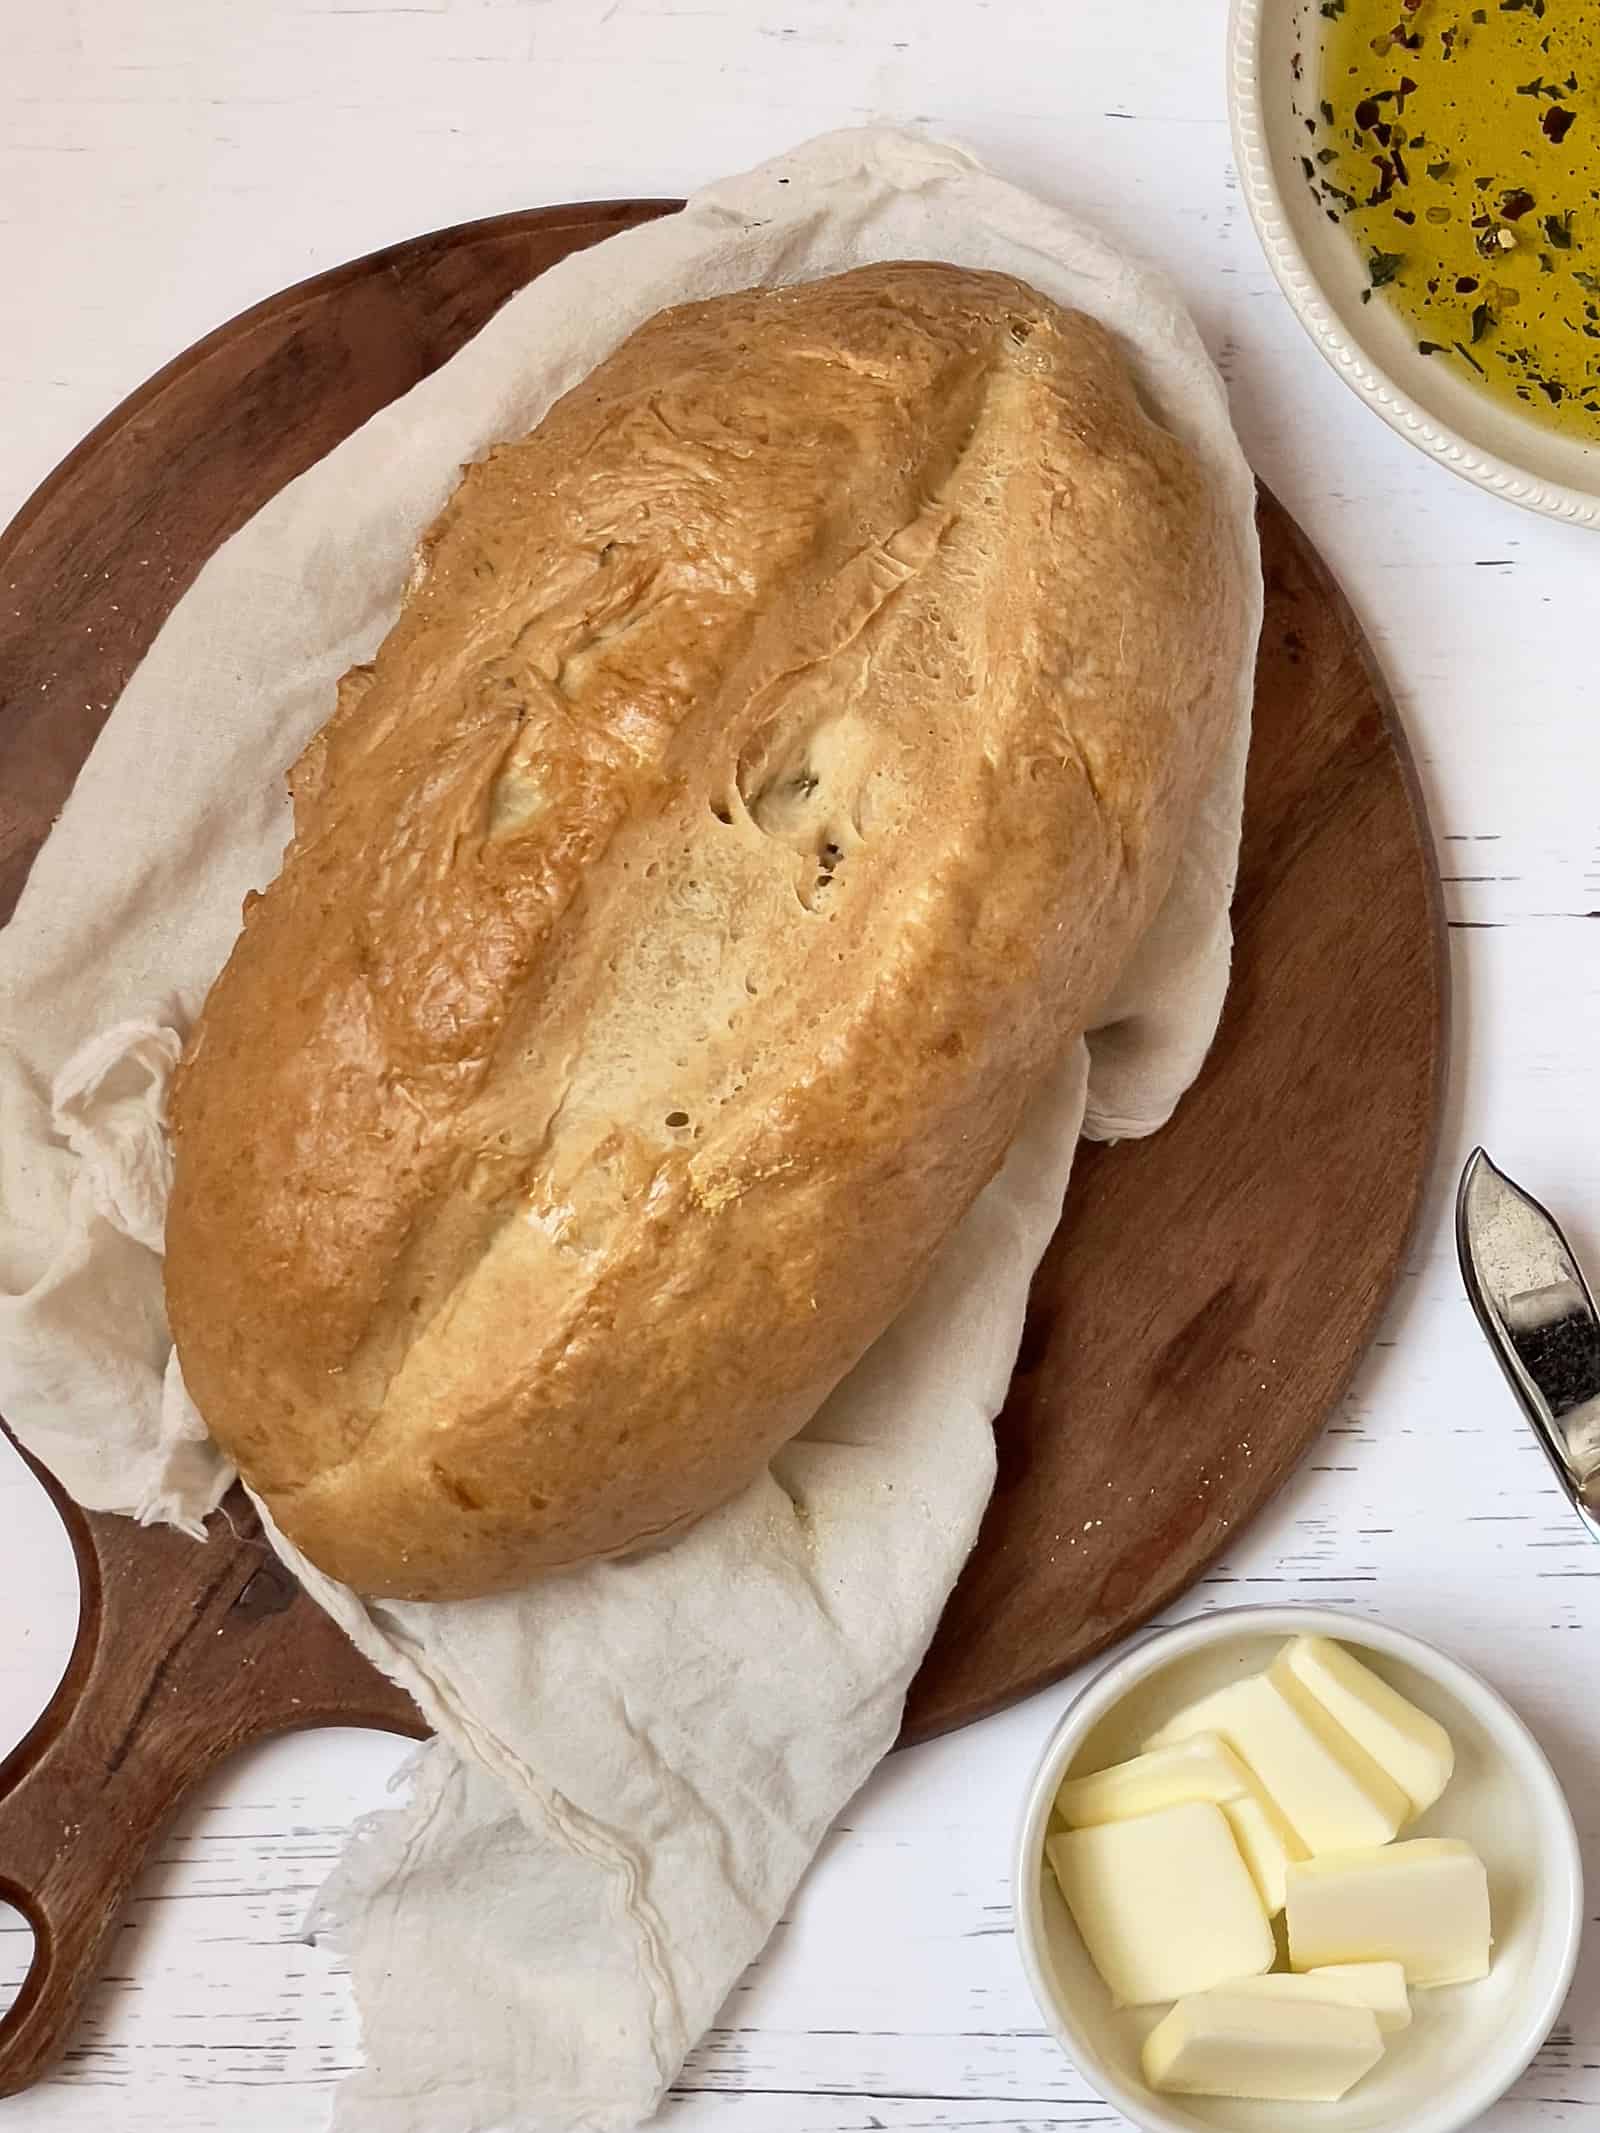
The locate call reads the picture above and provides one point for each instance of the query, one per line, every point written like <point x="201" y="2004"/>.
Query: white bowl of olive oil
<point x="1424" y="176"/>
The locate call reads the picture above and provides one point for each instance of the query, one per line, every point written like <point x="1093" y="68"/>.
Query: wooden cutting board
<point x="1202" y="1305"/>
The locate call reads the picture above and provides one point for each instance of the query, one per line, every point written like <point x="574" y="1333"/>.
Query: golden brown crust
<point x="771" y="769"/>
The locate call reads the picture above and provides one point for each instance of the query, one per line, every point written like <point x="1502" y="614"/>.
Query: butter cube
<point x="1423" y="1904"/>
<point x="1412" y="1747"/>
<point x="1199" y="1768"/>
<point x="1267" y="1845"/>
<point x="1163" y="1901"/>
<point x="1380" y="1986"/>
<point x="1232" y="2043"/>
<point x="1331" y="1792"/>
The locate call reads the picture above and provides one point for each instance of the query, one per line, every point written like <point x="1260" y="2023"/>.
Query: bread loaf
<point x="773" y="764"/>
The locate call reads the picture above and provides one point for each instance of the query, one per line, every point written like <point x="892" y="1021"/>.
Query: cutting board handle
<point x="81" y="1797"/>
<point x="185" y="1651"/>
<point x="78" y="1811"/>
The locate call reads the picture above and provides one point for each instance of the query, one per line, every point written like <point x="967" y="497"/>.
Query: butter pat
<point x="1378" y="1986"/>
<point x="1266" y="1844"/>
<point x="1199" y="1768"/>
<point x="1413" y="1748"/>
<point x="1332" y="1793"/>
<point x="1232" y="2043"/>
<point x="1164" y="1902"/>
<point x="1423" y="1904"/>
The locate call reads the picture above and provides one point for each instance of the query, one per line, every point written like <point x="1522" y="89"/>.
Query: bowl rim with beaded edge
<point x="1320" y="270"/>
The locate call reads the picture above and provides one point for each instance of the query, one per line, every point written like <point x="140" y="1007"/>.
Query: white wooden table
<point x="163" y="164"/>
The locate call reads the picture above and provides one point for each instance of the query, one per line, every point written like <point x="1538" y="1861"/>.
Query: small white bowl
<point x="1321" y="271"/>
<point x="1467" y="2043"/>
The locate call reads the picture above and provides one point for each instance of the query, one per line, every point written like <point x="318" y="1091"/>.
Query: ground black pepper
<point x="1563" y="1360"/>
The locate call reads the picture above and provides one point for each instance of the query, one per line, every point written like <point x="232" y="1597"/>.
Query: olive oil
<point x="1460" y="145"/>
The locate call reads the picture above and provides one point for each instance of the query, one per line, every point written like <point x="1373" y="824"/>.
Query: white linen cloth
<point x="636" y="1761"/>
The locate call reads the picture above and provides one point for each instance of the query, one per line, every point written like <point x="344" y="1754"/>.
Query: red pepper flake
<point x="1465" y="284"/>
<point x="1557" y="123"/>
<point x="1367" y="114"/>
<point x="1515" y="205"/>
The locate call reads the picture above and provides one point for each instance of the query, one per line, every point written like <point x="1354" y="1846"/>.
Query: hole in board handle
<point x="40" y="1598"/>
<point x="19" y="1958"/>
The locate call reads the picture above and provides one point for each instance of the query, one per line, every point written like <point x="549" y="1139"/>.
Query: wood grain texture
<point x="1202" y="1306"/>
